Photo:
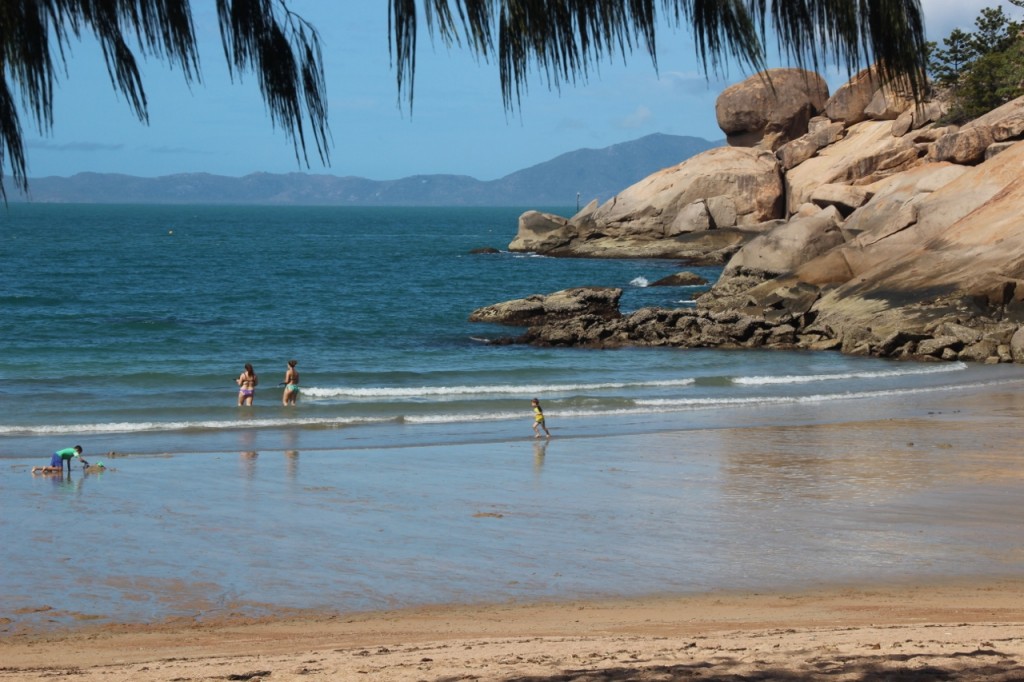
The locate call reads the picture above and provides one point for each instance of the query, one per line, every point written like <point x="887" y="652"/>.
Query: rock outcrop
<point x="600" y="302"/>
<point x="701" y="210"/>
<point x="857" y="222"/>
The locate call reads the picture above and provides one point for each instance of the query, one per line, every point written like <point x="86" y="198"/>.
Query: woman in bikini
<point x="247" y="382"/>
<point x="291" y="384"/>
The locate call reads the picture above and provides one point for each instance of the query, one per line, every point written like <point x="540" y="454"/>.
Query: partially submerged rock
<point x="557" y="307"/>
<point x="680" y="279"/>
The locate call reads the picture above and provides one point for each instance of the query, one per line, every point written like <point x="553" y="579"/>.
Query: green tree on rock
<point x="948" y="63"/>
<point x="980" y="70"/>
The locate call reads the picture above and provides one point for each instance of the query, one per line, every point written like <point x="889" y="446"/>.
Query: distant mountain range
<point x="590" y="173"/>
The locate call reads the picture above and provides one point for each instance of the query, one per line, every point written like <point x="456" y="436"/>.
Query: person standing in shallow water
<point x="247" y="382"/>
<point x="538" y="419"/>
<point x="291" y="384"/>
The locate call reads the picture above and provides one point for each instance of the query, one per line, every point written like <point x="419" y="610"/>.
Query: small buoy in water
<point x="170" y="231"/>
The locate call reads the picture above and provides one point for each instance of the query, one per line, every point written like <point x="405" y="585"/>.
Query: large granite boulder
<point x="848" y="102"/>
<point x="701" y="210"/>
<point x="744" y="184"/>
<point x="867" y="153"/>
<point x="771" y="108"/>
<point x="974" y="142"/>
<point x="918" y="116"/>
<point x="889" y="101"/>
<point x="965" y="146"/>
<point x="788" y="246"/>
<point x="821" y="133"/>
<point x="542" y="232"/>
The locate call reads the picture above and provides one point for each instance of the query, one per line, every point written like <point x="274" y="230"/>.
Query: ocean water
<point x="407" y="473"/>
<point x="125" y="327"/>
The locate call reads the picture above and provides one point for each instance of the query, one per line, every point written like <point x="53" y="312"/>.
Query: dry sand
<point x="962" y="631"/>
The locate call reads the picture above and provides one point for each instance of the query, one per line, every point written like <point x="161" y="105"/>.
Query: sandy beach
<point x="962" y="631"/>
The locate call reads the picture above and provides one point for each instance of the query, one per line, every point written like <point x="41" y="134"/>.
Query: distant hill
<point x="592" y="173"/>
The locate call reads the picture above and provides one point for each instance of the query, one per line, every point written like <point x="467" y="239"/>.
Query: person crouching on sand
<point x="247" y="382"/>
<point x="291" y="384"/>
<point x="538" y="419"/>
<point x="58" y="459"/>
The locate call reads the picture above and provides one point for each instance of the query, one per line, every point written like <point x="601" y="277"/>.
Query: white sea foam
<point x="211" y="425"/>
<point x="696" y="403"/>
<point x="905" y="370"/>
<point x="625" y="408"/>
<point x="639" y="282"/>
<point x="668" y="405"/>
<point x="462" y="417"/>
<point x="493" y="389"/>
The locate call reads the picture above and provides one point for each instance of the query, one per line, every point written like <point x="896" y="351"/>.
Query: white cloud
<point x="637" y="119"/>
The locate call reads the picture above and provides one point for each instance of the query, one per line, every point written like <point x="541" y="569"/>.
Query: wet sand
<point x="872" y="549"/>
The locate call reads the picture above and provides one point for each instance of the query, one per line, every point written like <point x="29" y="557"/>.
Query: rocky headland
<point x="853" y="221"/>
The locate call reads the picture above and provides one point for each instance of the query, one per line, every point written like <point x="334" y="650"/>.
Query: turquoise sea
<point x="126" y="326"/>
<point x="407" y="473"/>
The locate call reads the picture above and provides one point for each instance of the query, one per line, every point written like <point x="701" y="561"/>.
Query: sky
<point x="458" y="123"/>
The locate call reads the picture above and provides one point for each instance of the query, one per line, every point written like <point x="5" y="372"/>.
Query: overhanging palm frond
<point x="563" y="39"/>
<point x="283" y="49"/>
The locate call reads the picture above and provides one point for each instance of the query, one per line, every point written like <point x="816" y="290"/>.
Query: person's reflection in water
<point x="249" y="462"/>
<point x="291" y="458"/>
<point x="540" y="449"/>
<point x="62" y="480"/>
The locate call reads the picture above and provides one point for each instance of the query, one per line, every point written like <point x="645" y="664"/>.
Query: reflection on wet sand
<point x="248" y="459"/>
<point x="540" y="449"/>
<point x="871" y="461"/>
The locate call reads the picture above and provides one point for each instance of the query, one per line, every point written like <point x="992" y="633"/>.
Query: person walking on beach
<point x="538" y="419"/>
<point x="58" y="459"/>
<point x="291" y="384"/>
<point x="247" y="382"/>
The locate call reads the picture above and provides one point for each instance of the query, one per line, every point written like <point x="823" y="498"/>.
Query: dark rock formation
<point x="680" y="279"/>
<point x="598" y="302"/>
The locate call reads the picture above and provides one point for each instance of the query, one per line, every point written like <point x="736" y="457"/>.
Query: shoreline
<point x="853" y="550"/>
<point x="962" y="628"/>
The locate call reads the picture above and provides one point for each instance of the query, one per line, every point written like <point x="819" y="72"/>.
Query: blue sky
<point x="458" y="123"/>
